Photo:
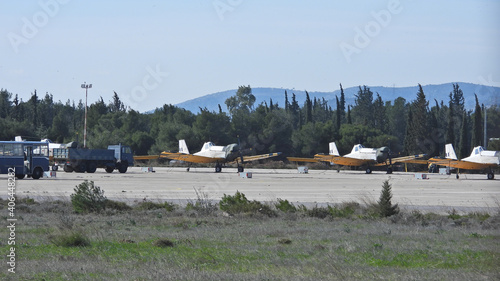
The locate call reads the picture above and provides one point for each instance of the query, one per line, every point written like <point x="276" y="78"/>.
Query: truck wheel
<point x="368" y="170"/>
<point x="109" y="169"/>
<point x="81" y="168"/>
<point x="491" y="176"/>
<point x="37" y="173"/>
<point x="91" y="167"/>
<point x="20" y="176"/>
<point x="122" y="168"/>
<point x="67" y="168"/>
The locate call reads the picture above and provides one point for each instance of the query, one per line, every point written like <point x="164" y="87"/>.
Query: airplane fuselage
<point x="224" y="153"/>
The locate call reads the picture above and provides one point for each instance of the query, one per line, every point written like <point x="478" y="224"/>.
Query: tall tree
<point x="363" y="112"/>
<point x="242" y="101"/>
<point x="308" y="108"/>
<point x="342" y="105"/>
<point x="463" y="144"/>
<point x="477" y="126"/>
<point x="419" y="132"/>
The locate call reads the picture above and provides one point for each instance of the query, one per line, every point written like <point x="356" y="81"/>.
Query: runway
<point x="439" y="193"/>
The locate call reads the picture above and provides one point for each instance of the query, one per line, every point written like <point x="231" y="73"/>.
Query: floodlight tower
<point x="86" y="87"/>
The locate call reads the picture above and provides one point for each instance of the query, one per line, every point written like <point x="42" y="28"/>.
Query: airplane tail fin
<point x="183" y="147"/>
<point x="333" y="149"/>
<point x="450" y="152"/>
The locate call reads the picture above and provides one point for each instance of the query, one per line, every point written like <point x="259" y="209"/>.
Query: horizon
<point x="159" y="52"/>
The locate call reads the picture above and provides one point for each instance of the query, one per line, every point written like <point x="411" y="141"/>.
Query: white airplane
<point x="479" y="159"/>
<point x="211" y="153"/>
<point x="359" y="156"/>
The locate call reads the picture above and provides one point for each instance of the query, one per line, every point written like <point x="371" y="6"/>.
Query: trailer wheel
<point x="91" y="167"/>
<point x="37" y="173"/>
<point x="109" y="169"/>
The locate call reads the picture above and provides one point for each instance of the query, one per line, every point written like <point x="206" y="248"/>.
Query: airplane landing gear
<point x="218" y="168"/>
<point x="240" y="169"/>
<point x="458" y="176"/>
<point x="389" y="170"/>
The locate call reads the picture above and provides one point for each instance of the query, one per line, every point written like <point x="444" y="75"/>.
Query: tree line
<point x="405" y="126"/>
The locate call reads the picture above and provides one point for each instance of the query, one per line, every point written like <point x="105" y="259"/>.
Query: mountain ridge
<point x="487" y="95"/>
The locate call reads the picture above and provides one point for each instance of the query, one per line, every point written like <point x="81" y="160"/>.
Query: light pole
<point x="86" y="87"/>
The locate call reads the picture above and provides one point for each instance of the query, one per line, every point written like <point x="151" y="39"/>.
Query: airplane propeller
<point x="383" y="154"/>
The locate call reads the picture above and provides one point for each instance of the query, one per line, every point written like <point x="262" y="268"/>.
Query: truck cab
<point x="123" y="155"/>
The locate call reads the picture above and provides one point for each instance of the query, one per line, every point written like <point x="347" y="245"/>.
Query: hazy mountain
<point x="487" y="95"/>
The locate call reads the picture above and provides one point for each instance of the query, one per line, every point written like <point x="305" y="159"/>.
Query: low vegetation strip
<point x="250" y="241"/>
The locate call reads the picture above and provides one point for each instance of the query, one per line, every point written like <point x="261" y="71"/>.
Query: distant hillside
<point x="487" y="95"/>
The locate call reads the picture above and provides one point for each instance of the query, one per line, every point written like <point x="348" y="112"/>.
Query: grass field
<point x="154" y="243"/>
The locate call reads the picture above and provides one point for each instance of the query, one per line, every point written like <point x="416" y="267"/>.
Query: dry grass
<point x="142" y="244"/>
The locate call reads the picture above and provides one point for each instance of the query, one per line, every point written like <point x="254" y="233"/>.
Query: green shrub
<point x="163" y="243"/>
<point x="285" y="206"/>
<point x="70" y="239"/>
<point x="117" y="205"/>
<point x="386" y="209"/>
<point x="319" y="212"/>
<point x="345" y="210"/>
<point x="238" y="204"/>
<point x="88" y="198"/>
<point x="148" y="205"/>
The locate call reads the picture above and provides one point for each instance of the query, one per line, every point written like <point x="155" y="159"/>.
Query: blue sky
<point x="159" y="52"/>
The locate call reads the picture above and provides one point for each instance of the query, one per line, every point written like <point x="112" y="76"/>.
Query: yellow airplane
<point x="210" y="153"/>
<point x="479" y="159"/>
<point x="360" y="156"/>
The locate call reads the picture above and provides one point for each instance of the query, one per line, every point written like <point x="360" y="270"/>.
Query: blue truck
<point x="116" y="157"/>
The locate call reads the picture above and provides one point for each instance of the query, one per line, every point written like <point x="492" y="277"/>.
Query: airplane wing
<point x="459" y="164"/>
<point x="190" y="157"/>
<point x="300" y="159"/>
<point x="259" y="157"/>
<point x="339" y="160"/>
<point x="406" y="159"/>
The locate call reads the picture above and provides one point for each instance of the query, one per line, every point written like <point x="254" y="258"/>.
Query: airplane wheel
<point x="458" y="176"/>
<point x="187" y="169"/>
<point x="218" y="169"/>
<point x="240" y="169"/>
<point x="368" y="170"/>
<point x="491" y="176"/>
<point x="389" y="170"/>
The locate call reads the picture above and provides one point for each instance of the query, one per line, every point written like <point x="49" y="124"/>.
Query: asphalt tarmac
<point x="438" y="193"/>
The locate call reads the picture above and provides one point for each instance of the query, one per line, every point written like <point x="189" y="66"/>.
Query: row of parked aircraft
<point x="360" y="156"/>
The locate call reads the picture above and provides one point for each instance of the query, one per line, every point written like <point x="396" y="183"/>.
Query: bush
<point x="238" y="204"/>
<point x="148" y="205"/>
<point x="88" y="198"/>
<point x="163" y="243"/>
<point x="319" y="212"/>
<point x="345" y="210"/>
<point x="117" y="205"/>
<point x="386" y="209"/>
<point x="70" y="239"/>
<point x="285" y="206"/>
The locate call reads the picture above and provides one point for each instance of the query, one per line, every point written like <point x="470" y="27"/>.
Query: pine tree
<point x="463" y="144"/>
<point x="349" y="119"/>
<point x="308" y="108"/>
<point x="450" y="132"/>
<point x="287" y="104"/>
<point x="386" y="209"/>
<point x="477" y="126"/>
<point x="342" y="105"/>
